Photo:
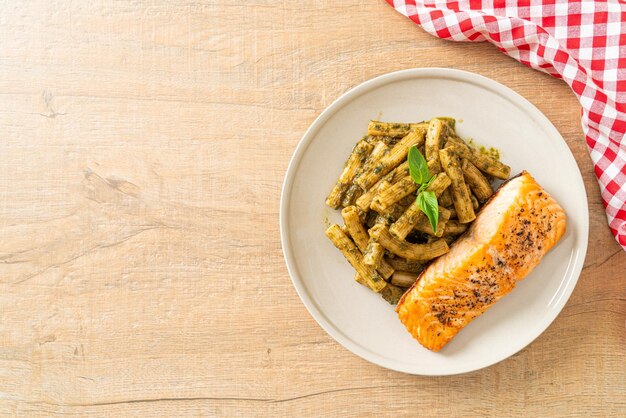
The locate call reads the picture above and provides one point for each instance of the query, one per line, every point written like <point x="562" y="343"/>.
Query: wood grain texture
<point x="142" y="154"/>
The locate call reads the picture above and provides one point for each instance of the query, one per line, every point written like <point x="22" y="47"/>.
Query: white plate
<point x="491" y="114"/>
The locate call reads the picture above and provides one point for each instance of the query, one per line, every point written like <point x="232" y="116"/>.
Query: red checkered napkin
<point x="581" y="42"/>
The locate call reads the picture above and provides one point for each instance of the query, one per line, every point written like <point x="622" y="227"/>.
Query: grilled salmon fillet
<point x="507" y="240"/>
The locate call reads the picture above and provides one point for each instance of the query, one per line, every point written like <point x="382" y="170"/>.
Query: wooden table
<point x="142" y="154"/>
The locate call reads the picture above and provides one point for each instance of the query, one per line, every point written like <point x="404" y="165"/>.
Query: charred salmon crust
<point x="516" y="227"/>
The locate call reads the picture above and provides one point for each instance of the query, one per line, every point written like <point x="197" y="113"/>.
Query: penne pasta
<point x="351" y="195"/>
<point x="350" y="169"/>
<point x="432" y="143"/>
<point x="460" y="192"/>
<point x="395" y="211"/>
<point x="354" y="191"/>
<point x="392" y="129"/>
<point x="365" y="200"/>
<point x="451" y="122"/>
<point x="396" y="192"/>
<point x="412" y="252"/>
<point x="349" y="250"/>
<point x="453" y="228"/>
<point x="391" y="293"/>
<point x="490" y="165"/>
<point x="483" y="162"/>
<point x="379" y="150"/>
<point x="387" y="140"/>
<point x="400" y="172"/>
<point x="360" y="236"/>
<point x="403" y="278"/>
<point x="376" y="205"/>
<point x="356" y="230"/>
<point x="446" y="198"/>
<point x="444" y="212"/>
<point x="402" y="264"/>
<point x="373" y="255"/>
<point x="476" y="181"/>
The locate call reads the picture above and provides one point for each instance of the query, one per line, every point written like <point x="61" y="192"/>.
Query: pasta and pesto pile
<point x="407" y="192"/>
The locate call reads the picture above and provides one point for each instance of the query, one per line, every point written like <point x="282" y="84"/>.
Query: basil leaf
<point x="418" y="168"/>
<point x="427" y="202"/>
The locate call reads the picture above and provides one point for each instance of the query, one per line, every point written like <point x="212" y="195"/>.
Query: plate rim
<point x="580" y="248"/>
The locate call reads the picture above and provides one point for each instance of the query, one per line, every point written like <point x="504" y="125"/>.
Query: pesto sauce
<point x="491" y="151"/>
